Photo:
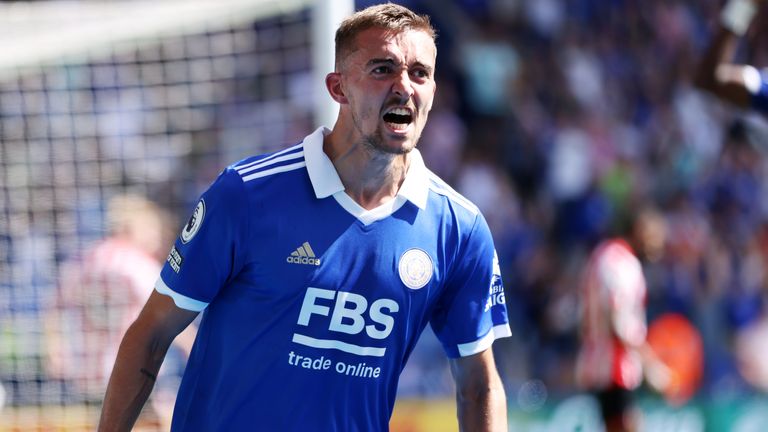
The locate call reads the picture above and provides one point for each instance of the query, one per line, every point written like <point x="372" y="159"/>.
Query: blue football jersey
<point x="313" y="304"/>
<point x="759" y="99"/>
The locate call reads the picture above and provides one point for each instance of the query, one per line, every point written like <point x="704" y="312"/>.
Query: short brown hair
<point x="387" y="16"/>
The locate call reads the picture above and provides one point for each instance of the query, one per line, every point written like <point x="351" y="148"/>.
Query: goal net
<point x="108" y="109"/>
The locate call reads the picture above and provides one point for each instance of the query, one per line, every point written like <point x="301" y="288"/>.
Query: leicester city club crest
<point x="415" y="268"/>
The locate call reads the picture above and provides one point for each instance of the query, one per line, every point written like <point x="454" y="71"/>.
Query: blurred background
<point x="560" y="119"/>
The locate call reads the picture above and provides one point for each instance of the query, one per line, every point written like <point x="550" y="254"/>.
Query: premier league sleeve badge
<point x="194" y="223"/>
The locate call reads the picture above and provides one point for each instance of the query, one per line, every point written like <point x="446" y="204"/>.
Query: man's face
<point x="389" y="84"/>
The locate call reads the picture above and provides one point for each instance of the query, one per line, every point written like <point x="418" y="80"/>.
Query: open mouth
<point x="398" y="118"/>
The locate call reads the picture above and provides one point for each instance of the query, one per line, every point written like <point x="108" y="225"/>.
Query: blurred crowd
<point x="561" y="120"/>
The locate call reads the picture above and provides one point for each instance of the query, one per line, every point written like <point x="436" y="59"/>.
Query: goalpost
<point x="100" y="99"/>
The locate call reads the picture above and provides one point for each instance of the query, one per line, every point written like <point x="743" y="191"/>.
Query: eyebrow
<point x="389" y="61"/>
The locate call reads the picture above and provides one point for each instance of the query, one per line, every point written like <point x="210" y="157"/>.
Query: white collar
<point x="326" y="182"/>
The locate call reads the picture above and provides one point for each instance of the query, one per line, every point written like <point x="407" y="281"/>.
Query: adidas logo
<point x="303" y="255"/>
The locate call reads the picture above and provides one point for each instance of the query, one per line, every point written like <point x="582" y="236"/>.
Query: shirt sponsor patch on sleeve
<point x="497" y="287"/>
<point x="175" y="259"/>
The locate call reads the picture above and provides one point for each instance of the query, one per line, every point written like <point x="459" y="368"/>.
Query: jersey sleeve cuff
<point x="482" y="344"/>
<point x="181" y="301"/>
<point x="753" y="80"/>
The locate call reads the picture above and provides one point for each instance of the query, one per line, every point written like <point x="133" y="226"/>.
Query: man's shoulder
<point x="442" y="191"/>
<point x="616" y="252"/>
<point x="267" y="165"/>
<point x="253" y="177"/>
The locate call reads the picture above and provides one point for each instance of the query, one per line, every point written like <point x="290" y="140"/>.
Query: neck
<point x="370" y="177"/>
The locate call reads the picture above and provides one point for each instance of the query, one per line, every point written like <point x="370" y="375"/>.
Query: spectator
<point x="100" y="294"/>
<point x="740" y="84"/>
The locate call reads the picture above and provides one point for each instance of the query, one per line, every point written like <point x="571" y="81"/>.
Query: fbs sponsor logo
<point x="303" y="255"/>
<point x="345" y="313"/>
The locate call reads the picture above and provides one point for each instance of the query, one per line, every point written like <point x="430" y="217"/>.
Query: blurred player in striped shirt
<point x="100" y="293"/>
<point x="614" y="356"/>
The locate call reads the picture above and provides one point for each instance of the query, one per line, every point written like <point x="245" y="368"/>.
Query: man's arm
<point x="138" y="361"/>
<point x="717" y="73"/>
<point x="480" y="400"/>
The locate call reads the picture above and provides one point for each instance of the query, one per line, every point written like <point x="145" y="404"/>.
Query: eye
<point x="421" y="73"/>
<point x="381" y="70"/>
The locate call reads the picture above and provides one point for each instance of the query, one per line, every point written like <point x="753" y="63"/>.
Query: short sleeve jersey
<point x="313" y="304"/>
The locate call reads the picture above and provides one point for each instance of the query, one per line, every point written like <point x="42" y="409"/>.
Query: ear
<point x="333" y="84"/>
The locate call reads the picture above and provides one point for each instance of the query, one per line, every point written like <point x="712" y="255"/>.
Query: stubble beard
<point x="376" y="144"/>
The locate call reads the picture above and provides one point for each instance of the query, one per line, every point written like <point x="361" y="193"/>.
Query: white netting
<point x="107" y="100"/>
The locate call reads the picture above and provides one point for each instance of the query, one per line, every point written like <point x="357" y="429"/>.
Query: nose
<point x="403" y="86"/>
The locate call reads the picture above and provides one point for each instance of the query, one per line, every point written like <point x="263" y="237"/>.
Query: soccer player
<point x="318" y="267"/>
<point x="742" y="85"/>
<point x="614" y="357"/>
<point x="100" y="294"/>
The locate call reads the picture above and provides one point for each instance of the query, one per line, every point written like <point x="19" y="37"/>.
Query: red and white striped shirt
<point x="613" y="318"/>
<point x="99" y="297"/>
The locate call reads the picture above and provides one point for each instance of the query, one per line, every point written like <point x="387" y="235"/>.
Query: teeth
<point x="399" y="111"/>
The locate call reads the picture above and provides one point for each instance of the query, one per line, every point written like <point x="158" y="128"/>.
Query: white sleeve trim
<point x="752" y="79"/>
<point x="181" y="301"/>
<point x="482" y="344"/>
